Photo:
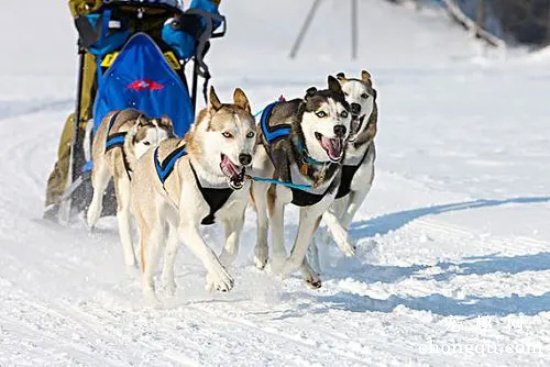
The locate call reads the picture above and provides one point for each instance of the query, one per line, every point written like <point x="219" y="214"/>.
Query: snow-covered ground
<point x="453" y="266"/>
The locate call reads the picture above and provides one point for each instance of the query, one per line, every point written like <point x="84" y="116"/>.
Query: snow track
<point x="420" y="281"/>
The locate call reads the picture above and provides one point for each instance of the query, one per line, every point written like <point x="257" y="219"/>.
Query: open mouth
<point x="356" y="124"/>
<point x="333" y="146"/>
<point x="234" y="173"/>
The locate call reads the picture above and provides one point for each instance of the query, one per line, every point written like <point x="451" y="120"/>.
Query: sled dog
<point x="198" y="180"/>
<point x="122" y="137"/>
<point x="302" y="143"/>
<point x="358" y="162"/>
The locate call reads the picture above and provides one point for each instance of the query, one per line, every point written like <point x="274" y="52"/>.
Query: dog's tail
<point x="128" y="147"/>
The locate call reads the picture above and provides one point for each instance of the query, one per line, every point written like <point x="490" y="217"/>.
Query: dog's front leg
<point x="356" y="199"/>
<point x="339" y="233"/>
<point x="308" y="224"/>
<point x="217" y="277"/>
<point x="261" y="251"/>
<point x="233" y="228"/>
<point x="277" y="218"/>
<point x="122" y="187"/>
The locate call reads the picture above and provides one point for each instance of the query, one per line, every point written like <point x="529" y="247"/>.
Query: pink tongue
<point x="355" y="124"/>
<point x="333" y="146"/>
<point x="228" y="167"/>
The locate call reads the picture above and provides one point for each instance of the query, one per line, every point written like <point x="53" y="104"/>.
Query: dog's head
<point x="325" y="122"/>
<point x="361" y="96"/>
<point x="230" y="136"/>
<point x="147" y="133"/>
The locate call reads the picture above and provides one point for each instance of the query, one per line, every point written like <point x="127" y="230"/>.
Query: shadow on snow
<point x="436" y="303"/>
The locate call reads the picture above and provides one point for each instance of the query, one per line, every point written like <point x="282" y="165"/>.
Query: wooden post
<point x="303" y="30"/>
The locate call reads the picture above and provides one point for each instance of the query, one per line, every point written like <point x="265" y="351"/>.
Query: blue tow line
<point x="258" y="113"/>
<point x="282" y="183"/>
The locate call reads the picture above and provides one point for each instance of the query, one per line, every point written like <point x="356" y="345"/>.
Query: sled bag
<point x="140" y="78"/>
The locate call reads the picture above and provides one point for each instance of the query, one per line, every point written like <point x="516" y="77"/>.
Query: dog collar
<point x="307" y="159"/>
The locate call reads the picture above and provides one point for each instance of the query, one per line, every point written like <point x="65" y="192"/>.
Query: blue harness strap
<point x="115" y="140"/>
<point x="272" y="133"/>
<point x="165" y="168"/>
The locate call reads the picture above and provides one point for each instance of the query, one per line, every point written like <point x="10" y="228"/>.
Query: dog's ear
<point x="166" y="122"/>
<point x="310" y="92"/>
<point x="142" y="120"/>
<point x="213" y="100"/>
<point x="240" y="100"/>
<point x="366" y="77"/>
<point x="341" y="76"/>
<point x="334" y="84"/>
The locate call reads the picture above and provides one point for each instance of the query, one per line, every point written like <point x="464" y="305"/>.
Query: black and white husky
<point x="198" y="180"/>
<point x="122" y="137"/>
<point x="358" y="163"/>
<point x="301" y="143"/>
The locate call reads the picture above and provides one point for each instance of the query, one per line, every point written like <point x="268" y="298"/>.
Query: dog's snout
<point x="340" y="130"/>
<point x="355" y="108"/>
<point x="245" y="159"/>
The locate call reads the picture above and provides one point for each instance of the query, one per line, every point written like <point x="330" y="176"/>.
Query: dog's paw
<point x="168" y="287"/>
<point x="150" y="297"/>
<point x="219" y="280"/>
<point x="349" y="249"/>
<point x="260" y="257"/>
<point x="313" y="282"/>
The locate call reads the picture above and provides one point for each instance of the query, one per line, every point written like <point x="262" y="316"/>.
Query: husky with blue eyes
<point x="199" y="180"/>
<point x="358" y="163"/>
<point x="301" y="148"/>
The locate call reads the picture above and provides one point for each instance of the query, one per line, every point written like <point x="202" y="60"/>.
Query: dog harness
<point x="117" y="141"/>
<point x="302" y="193"/>
<point x="214" y="197"/>
<point x="348" y="171"/>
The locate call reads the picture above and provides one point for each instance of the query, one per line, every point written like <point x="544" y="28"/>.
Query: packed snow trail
<point x="453" y="264"/>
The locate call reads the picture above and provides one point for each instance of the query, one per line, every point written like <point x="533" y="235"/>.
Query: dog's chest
<point x="216" y="197"/>
<point x="296" y="177"/>
<point x="357" y="171"/>
<point x="313" y="195"/>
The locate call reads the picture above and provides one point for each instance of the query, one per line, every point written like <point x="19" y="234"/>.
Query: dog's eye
<point x="321" y="114"/>
<point x="146" y="143"/>
<point x="344" y="114"/>
<point x="227" y="135"/>
<point x="250" y="135"/>
<point x="365" y="96"/>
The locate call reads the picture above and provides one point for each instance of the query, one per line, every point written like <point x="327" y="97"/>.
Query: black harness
<point x="215" y="198"/>
<point x="116" y="140"/>
<point x="300" y="197"/>
<point x="348" y="171"/>
<point x="304" y="198"/>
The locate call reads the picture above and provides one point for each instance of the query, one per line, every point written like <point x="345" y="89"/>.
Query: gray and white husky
<point x="198" y="180"/>
<point x="358" y="162"/>
<point x="302" y="143"/>
<point x="122" y="137"/>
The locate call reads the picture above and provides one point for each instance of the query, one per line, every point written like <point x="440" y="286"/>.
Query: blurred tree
<point x="515" y="21"/>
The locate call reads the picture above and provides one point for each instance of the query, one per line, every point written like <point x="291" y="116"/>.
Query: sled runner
<point x="132" y="54"/>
